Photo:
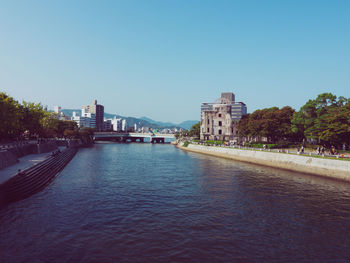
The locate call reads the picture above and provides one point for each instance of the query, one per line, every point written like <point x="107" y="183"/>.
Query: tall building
<point x="116" y="124"/>
<point x="107" y="125"/>
<point x="124" y="125"/>
<point x="98" y="111"/>
<point x="219" y="118"/>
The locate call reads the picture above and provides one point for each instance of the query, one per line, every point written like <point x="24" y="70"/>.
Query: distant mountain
<point x="185" y="124"/>
<point x="159" y="122"/>
<point x="143" y="121"/>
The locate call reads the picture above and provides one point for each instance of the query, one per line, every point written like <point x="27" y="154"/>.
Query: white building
<point x="116" y="124"/>
<point x="77" y="119"/>
<point x="57" y="109"/>
<point x="124" y="125"/>
<point x="86" y="119"/>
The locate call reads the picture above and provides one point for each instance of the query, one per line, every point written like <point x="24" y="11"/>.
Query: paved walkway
<point x="24" y="163"/>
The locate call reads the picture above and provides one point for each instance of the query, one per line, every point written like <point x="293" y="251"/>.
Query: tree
<point x="195" y="130"/>
<point x="323" y="119"/>
<point x="33" y="113"/>
<point x="10" y="117"/>
<point x="243" y="126"/>
<point x="272" y="123"/>
<point x="335" y="126"/>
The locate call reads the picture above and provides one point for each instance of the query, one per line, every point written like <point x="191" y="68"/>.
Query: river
<point x="156" y="203"/>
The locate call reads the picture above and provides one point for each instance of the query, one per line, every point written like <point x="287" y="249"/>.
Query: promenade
<point x="24" y="163"/>
<point x="311" y="164"/>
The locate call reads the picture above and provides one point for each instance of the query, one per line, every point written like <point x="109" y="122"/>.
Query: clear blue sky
<point x="161" y="59"/>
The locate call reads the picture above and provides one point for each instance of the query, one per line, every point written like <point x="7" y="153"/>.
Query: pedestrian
<point x="333" y="150"/>
<point x="319" y="150"/>
<point x="302" y="149"/>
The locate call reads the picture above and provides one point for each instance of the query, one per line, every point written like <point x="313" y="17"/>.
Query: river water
<point x="156" y="203"/>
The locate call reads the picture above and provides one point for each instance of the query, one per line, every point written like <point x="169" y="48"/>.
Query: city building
<point x="77" y="119"/>
<point x="59" y="114"/>
<point x="57" y="109"/>
<point x="98" y="111"/>
<point x="116" y="124"/>
<point x="86" y="119"/>
<point x="124" y="125"/>
<point x="107" y="125"/>
<point x="219" y="119"/>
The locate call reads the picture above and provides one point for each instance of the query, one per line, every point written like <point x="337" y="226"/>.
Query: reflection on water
<point x="155" y="203"/>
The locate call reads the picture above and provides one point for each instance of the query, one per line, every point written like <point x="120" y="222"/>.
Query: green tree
<point x="322" y="119"/>
<point x="335" y="126"/>
<point x="195" y="130"/>
<point x="33" y="113"/>
<point x="10" y="117"/>
<point x="243" y="126"/>
<point x="272" y="123"/>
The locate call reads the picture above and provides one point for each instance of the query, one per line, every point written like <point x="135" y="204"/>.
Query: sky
<point x="162" y="59"/>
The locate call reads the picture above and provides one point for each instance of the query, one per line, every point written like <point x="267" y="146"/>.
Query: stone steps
<point x="34" y="178"/>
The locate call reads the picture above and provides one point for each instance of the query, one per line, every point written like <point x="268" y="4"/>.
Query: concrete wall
<point x="7" y="158"/>
<point x="319" y="166"/>
<point x="46" y="147"/>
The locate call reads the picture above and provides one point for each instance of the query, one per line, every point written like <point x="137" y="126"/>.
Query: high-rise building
<point x="107" y="125"/>
<point x="116" y="124"/>
<point x="124" y="125"/>
<point x="98" y="111"/>
<point x="219" y="119"/>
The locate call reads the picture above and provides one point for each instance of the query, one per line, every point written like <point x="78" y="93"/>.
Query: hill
<point x="143" y="121"/>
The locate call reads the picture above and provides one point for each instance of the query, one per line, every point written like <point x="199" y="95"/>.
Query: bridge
<point x="132" y="137"/>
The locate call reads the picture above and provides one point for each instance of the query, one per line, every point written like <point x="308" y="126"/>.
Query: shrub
<point x="261" y="145"/>
<point x="186" y="144"/>
<point x="213" y="142"/>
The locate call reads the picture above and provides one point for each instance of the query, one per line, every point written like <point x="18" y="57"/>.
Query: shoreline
<point x="334" y="169"/>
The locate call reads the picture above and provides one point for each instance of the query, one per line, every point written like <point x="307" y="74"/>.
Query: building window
<point x="208" y="121"/>
<point x="219" y="115"/>
<point x="220" y="123"/>
<point x="220" y="131"/>
<point x="208" y="129"/>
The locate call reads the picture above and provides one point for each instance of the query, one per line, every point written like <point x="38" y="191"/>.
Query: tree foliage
<point x="325" y="119"/>
<point x="272" y="123"/>
<point x="16" y="118"/>
<point x="195" y="130"/>
<point x="10" y="117"/>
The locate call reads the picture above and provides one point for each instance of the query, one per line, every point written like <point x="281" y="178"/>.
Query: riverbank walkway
<point x="24" y="163"/>
<point x="307" y="152"/>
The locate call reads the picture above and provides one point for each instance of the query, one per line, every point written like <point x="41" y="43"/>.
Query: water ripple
<point x="155" y="203"/>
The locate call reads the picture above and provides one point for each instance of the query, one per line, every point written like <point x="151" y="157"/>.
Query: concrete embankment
<point x="337" y="169"/>
<point x="10" y="156"/>
<point x="35" y="178"/>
